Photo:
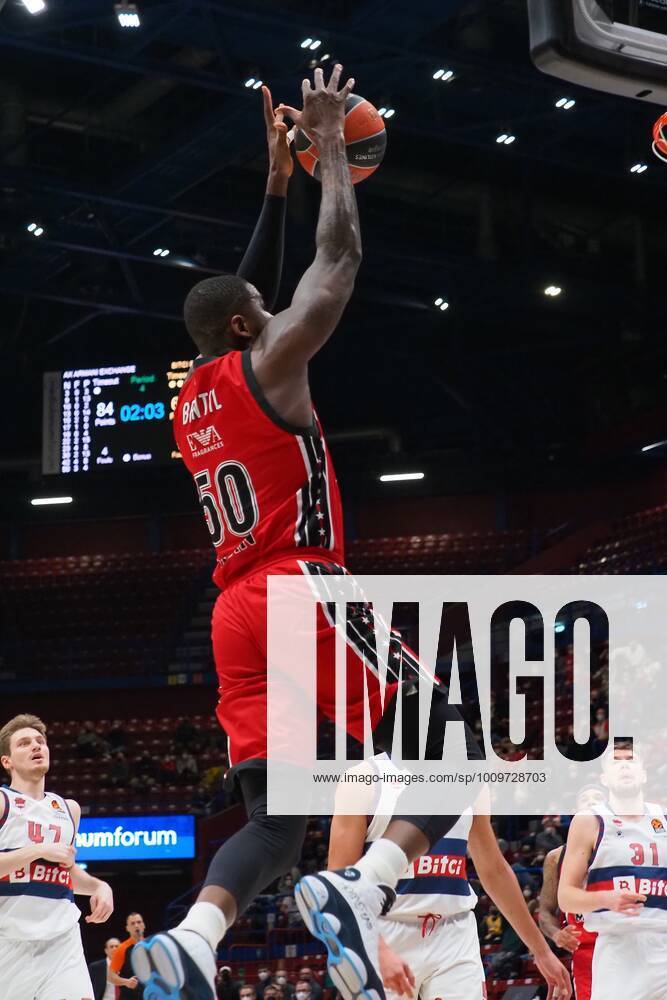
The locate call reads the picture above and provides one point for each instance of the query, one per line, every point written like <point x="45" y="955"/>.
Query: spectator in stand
<point x="271" y="992"/>
<point x="492" y="926"/>
<point x="549" y="838"/>
<point x="281" y="981"/>
<point x="167" y="773"/>
<point x="521" y="868"/>
<point x="212" y="777"/>
<point x="303" y="990"/>
<point x="263" y="981"/>
<point x="117" y="737"/>
<point x="186" y="769"/>
<point x="119" y="772"/>
<point x="286" y="885"/>
<point x="225" y="987"/>
<point x="306" y="975"/>
<point x="247" y="992"/>
<point x="89" y="743"/>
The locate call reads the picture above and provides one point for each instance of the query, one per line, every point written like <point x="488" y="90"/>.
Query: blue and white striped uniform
<point x="431" y="925"/>
<point x="630" y="957"/>
<point x="36" y="901"/>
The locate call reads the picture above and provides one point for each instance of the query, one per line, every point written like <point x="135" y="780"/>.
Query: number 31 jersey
<point x="36" y="901"/>
<point x="631" y="855"/>
<point x="268" y="490"/>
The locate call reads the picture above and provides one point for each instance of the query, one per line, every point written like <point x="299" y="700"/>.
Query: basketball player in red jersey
<point x="569" y="934"/>
<point x="249" y="436"/>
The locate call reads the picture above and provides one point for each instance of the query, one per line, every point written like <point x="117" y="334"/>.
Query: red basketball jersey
<point x="268" y="490"/>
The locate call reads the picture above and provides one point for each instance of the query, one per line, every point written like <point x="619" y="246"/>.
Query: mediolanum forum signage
<point x="129" y="838"/>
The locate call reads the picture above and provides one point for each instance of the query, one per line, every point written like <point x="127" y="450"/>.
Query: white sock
<point x="208" y="920"/>
<point x="383" y="863"/>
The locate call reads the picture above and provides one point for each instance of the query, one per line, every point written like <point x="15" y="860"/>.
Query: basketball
<point x="365" y="140"/>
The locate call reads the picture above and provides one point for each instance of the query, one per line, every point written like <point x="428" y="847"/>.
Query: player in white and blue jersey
<point x="429" y="941"/>
<point x="41" y="955"/>
<point x="619" y="852"/>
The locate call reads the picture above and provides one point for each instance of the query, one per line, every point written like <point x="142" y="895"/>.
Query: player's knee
<point x="282" y="837"/>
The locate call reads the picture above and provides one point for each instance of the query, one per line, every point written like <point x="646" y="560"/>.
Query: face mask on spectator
<point x="263" y="975"/>
<point x="302" y="995"/>
<point x="281" y="980"/>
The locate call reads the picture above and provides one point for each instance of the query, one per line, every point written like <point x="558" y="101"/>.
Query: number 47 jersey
<point x="36" y="901"/>
<point x="267" y="488"/>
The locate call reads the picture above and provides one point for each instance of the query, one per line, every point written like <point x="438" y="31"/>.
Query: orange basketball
<point x="365" y="140"/>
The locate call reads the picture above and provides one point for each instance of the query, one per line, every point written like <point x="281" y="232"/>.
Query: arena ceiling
<point x="118" y="141"/>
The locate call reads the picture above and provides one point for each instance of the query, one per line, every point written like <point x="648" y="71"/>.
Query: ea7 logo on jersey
<point x="201" y="442"/>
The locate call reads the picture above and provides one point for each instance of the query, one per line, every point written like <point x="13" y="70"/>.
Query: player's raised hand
<point x="58" y="854"/>
<point x="323" y="105"/>
<point x="101" y="904"/>
<point x="568" y="938"/>
<point x="630" y="904"/>
<point x="278" y="137"/>
<point x="556" y="975"/>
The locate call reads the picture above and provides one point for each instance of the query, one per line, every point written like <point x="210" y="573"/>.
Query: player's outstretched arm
<point x="581" y="840"/>
<point x="291" y="338"/>
<point x="549" y="916"/>
<point x="500" y="884"/>
<point x="262" y="264"/>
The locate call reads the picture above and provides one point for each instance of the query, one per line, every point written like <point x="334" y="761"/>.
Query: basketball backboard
<point x="617" y="46"/>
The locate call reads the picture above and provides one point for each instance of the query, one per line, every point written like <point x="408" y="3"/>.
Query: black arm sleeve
<point x="262" y="263"/>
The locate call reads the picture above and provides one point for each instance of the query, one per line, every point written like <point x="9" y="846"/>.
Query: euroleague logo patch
<point x="204" y="441"/>
<point x="56" y="805"/>
<point x="658" y="826"/>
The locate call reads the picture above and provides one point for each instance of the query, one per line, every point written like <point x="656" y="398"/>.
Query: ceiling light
<point x="306" y="43"/>
<point x="510" y="139"/>
<point x="438" y="73"/>
<point x="257" y="84"/>
<point x="656" y="444"/>
<point x="34" y="6"/>
<point x="164" y="253"/>
<point x="445" y="75"/>
<point x="565" y="103"/>
<point x="444" y="306"/>
<point x="553" y="291"/>
<point x="127" y="14"/>
<point x="249" y="82"/>
<point x="35" y="229"/>
<point x="401" y="477"/>
<point x="438" y="301"/>
<point x="325" y="57"/>
<point x="315" y="45"/>
<point x="568" y="105"/>
<point x="50" y="501"/>
<point x="639" y="168"/>
<point x="39" y="231"/>
<point x="502" y="137"/>
<point x="389" y="113"/>
<point x="382" y="112"/>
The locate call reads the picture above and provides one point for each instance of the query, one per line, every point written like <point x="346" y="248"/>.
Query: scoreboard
<point x="112" y="417"/>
